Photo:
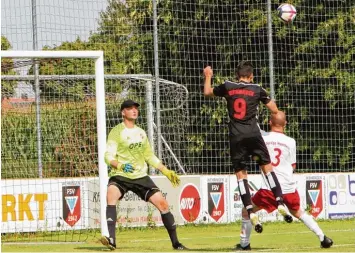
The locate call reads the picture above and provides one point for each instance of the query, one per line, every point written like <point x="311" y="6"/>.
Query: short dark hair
<point x="244" y="69"/>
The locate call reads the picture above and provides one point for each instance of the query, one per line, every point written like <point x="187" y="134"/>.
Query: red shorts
<point x="265" y="199"/>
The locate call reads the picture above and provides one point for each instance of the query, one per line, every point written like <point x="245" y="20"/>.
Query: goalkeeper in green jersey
<point x="127" y="154"/>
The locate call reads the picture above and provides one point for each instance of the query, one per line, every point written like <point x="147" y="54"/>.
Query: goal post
<point x="77" y="108"/>
<point x="97" y="56"/>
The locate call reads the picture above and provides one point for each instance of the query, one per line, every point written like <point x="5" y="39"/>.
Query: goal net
<point x="52" y="140"/>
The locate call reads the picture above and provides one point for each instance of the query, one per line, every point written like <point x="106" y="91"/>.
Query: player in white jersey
<point x="282" y="150"/>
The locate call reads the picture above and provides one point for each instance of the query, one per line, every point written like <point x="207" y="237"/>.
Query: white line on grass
<point x="237" y="235"/>
<point x="303" y="248"/>
<point x="39" y="243"/>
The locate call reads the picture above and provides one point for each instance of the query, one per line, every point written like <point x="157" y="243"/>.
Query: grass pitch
<point x="277" y="237"/>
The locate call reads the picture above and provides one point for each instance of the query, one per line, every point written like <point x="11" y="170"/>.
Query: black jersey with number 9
<point x="242" y="101"/>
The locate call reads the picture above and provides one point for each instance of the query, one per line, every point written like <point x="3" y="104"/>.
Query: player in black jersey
<point x="243" y="98"/>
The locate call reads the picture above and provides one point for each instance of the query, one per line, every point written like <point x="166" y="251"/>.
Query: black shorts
<point x="144" y="187"/>
<point x="241" y="149"/>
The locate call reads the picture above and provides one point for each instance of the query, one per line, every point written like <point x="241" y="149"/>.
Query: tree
<point x="318" y="49"/>
<point x="322" y="67"/>
<point x="7" y="68"/>
<point x="313" y="56"/>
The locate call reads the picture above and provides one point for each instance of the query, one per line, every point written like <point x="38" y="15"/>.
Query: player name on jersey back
<point x="243" y="103"/>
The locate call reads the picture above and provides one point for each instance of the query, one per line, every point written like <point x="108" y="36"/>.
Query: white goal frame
<point x="100" y="111"/>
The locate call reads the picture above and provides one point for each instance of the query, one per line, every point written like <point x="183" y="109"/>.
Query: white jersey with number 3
<point x="282" y="150"/>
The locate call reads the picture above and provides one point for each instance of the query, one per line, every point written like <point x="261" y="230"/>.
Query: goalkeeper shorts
<point x="144" y="187"/>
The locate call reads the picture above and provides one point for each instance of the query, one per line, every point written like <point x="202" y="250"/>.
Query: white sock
<point x="312" y="225"/>
<point x="245" y="232"/>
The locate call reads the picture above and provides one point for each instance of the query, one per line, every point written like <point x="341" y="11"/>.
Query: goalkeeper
<point x="127" y="153"/>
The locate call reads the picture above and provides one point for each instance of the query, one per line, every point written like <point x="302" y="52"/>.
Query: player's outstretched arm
<point x="272" y="107"/>
<point x="170" y="174"/>
<point x="207" y="89"/>
<point x="154" y="161"/>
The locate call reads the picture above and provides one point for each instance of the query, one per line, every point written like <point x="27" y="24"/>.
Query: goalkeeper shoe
<point x="240" y="248"/>
<point x="283" y="211"/>
<point x="256" y="223"/>
<point x="326" y="243"/>
<point x="108" y="242"/>
<point x="179" y="246"/>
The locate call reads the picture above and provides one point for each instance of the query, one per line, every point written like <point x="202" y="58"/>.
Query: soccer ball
<point x="287" y="12"/>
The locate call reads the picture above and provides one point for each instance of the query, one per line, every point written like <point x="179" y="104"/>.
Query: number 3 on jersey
<point x="240" y="108"/>
<point x="277" y="157"/>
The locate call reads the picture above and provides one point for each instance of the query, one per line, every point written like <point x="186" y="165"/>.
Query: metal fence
<point x="308" y="67"/>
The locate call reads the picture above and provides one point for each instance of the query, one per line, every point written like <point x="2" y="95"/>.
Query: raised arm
<point x="272" y="107"/>
<point x="267" y="101"/>
<point x="208" y="90"/>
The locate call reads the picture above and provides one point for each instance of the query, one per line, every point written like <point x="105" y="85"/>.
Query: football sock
<point x="111" y="217"/>
<point x="169" y="223"/>
<point x="245" y="232"/>
<point x="275" y="186"/>
<point x="245" y="194"/>
<point x="312" y="225"/>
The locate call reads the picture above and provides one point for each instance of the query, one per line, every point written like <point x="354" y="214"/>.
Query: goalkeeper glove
<point x="172" y="176"/>
<point x="127" y="168"/>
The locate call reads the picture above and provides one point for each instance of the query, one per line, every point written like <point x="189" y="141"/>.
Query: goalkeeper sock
<point x="111" y="217"/>
<point x="312" y="225"/>
<point x="245" y="194"/>
<point x="245" y="232"/>
<point x="169" y="223"/>
<point x="275" y="186"/>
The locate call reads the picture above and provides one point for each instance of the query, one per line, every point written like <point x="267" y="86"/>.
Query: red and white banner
<point x="30" y="205"/>
<point x="216" y="204"/>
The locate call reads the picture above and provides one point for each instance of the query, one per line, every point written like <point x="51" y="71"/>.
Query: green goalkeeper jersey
<point x="130" y="145"/>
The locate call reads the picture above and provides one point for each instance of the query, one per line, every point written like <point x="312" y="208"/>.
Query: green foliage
<point x="216" y="115"/>
<point x="331" y="77"/>
<point x="7" y="87"/>
<point x="121" y="39"/>
<point x="196" y="144"/>
<point x="5" y="43"/>
<point x="318" y="48"/>
<point x="68" y="146"/>
<point x="73" y="90"/>
<point x="150" y="221"/>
